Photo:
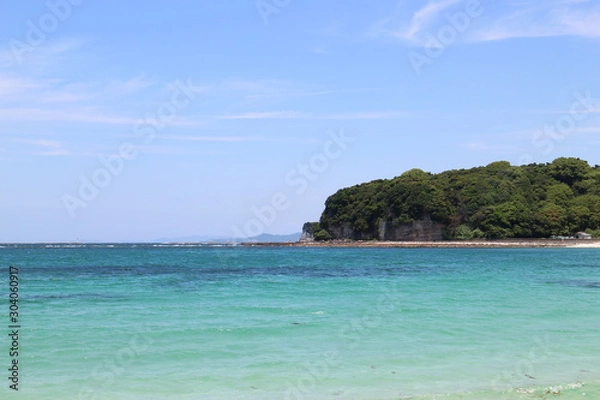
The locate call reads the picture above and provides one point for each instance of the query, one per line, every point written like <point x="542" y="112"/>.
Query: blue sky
<point x="138" y="120"/>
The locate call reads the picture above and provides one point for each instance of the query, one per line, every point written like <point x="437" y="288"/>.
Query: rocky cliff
<point x="308" y="232"/>
<point x="425" y="230"/>
<point x="417" y="230"/>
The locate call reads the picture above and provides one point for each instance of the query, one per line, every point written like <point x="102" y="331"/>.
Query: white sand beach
<point x="586" y="244"/>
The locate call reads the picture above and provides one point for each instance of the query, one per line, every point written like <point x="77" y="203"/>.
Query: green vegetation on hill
<point x="496" y="201"/>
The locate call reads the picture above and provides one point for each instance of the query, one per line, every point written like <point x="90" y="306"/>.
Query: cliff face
<point x="308" y="232"/>
<point x="417" y="230"/>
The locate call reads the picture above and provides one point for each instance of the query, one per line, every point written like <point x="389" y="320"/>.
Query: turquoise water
<point x="148" y="322"/>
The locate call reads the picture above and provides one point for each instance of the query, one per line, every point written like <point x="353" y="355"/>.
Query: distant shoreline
<point x="461" y="244"/>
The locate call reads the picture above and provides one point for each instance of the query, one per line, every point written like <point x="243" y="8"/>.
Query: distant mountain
<point x="187" y="239"/>
<point x="265" y="237"/>
<point x="268" y="238"/>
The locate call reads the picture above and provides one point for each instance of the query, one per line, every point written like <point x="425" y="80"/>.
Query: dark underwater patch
<point x="577" y="283"/>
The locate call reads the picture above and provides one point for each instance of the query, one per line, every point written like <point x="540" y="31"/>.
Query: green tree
<point x="560" y="194"/>
<point x="552" y="220"/>
<point x="463" y="232"/>
<point x="569" y="170"/>
<point x="578" y="218"/>
<point x="590" y="183"/>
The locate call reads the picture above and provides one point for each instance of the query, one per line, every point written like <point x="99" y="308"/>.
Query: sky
<point x="140" y="120"/>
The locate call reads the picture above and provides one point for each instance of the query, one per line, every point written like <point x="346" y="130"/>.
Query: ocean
<point x="151" y="321"/>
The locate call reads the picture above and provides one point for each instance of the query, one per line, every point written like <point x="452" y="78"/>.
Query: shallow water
<point x="149" y="322"/>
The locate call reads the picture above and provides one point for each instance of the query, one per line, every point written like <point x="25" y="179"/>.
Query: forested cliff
<point x="495" y="201"/>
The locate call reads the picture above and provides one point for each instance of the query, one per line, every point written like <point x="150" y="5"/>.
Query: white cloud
<point x="499" y="21"/>
<point x="38" y="57"/>
<point x="544" y="19"/>
<point x="21" y="89"/>
<point x="243" y="139"/>
<point x="304" y="115"/>
<point x="63" y="115"/>
<point x="40" y="142"/>
<point x="89" y="115"/>
<point x="408" y="27"/>
<point x="368" y="115"/>
<point x="259" y="90"/>
<point x="266" y="115"/>
<point x="425" y="16"/>
<point x="128" y="86"/>
<point x="209" y="138"/>
<point x="52" y="153"/>
<point x="48" y="147"/>
<point x="255" y="88"/>
<point x="10" y="87"/>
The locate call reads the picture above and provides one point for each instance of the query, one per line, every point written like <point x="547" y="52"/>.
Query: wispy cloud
<point x="84" y="115"/>
<point x="209" y="138"/>
<point x="35" y="90"/>
<point x="128" y="86"/>
<point x="301" y="92"/>
<point x="38" y="58"/>
<point x="270" y="89"/>
<point x="178" y="151"/>
<point x="28" y="99"/>
<point x="424" y="17"/>
<point x="51" y="115"/>
<point x="40" y="142"/>
<point x="267" y="115"/>
<point x="45" y="147"/>
<point x="255" y="88"/>
<point x="53" y="153"/>
<point x="544" y="19"/>
<point x="499" y="21"/>
<point x="10" y="87"/>
<point x="368" y="115"/>
<point x="244" y="139"/>
<point x="409" y="26"/>
<point x="305" y="115"/>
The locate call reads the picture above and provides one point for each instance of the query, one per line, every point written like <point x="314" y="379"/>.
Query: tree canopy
<point x="495" y="201"/>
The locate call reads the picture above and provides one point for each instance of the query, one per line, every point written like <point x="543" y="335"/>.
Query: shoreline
<point x="450" y="244"/>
